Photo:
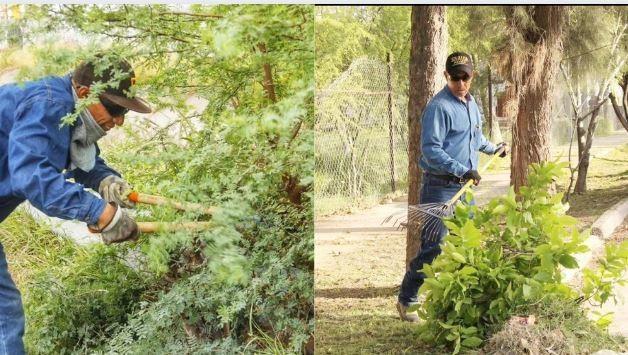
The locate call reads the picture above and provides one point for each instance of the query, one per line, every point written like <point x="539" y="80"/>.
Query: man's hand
<point x="115" y="189"/>
<point x="505" y="151"/>
<point x="119" y="228"/>
<point x="472" y="175"/>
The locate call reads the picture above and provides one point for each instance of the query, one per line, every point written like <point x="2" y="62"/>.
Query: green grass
<point x="31" y="247"/>
<point x="364" y="326"/>
<point x="607" y="184"/>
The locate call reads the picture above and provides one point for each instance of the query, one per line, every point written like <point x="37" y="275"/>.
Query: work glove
<point x="119" y="229"/>
<point x="505" y="151"/>
<point x="115" y="189"/>
<point x="472" y="175"/>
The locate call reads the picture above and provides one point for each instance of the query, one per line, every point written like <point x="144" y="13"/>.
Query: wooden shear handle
<point x="138" y="197"/>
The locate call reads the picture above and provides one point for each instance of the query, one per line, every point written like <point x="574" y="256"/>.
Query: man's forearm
<point x="438" y="157"/>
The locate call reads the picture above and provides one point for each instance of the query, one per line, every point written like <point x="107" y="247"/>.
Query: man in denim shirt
<point x="36" y="149"/>
<point x="451" y="137"/>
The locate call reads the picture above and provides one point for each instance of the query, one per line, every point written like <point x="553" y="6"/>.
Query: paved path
<point x="620" y="311"/>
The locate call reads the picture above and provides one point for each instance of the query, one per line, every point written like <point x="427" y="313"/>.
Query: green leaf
<point x="445" y="325"/>
<point x="527" y="216"/>
<point x="605" y="320"/>
<point x="500" y="209"/>
<point x="458" y="257"/>
<point x="457" y="346"/>
<point x="471" y="235"/>
<point x="433" y="282"/>
<point x="467" y="270"/>
<point x="526" y="291"/>
<point x="472" y="342"/>
<point x="568" y="261"/>
<point x="469" y="330"/>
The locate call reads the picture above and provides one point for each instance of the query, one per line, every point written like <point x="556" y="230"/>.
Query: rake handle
<point x="482" y="170"/>
<point x="139" y="197"/>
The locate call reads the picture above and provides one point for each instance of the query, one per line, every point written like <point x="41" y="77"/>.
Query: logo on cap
<point x="459" y="60"/>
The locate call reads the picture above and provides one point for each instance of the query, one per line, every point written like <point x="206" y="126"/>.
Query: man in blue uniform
<point x="451" y="136"/>
<point x="36" y="149"/>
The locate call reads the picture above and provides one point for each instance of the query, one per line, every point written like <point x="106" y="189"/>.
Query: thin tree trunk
<point x="531" y="132"/>
<point x="427" y="64"/>
<point x="585" y="142"/>
<point x="490" y="104"/>
<point x="583" y="167"/>
<point x="622" y="116"/>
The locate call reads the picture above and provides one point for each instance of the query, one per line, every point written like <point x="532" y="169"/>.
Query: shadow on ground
<point x="363" y="292"/>
<point x="594" y="202"/>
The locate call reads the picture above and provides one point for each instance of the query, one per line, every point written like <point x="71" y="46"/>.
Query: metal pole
<point x="390" y="122"/>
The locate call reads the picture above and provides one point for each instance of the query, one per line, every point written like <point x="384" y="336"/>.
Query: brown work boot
<point x="403" y="313"/>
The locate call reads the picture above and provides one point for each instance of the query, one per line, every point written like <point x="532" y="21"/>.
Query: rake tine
<point x="387" y="219"/>
<point x="399" y="221"/>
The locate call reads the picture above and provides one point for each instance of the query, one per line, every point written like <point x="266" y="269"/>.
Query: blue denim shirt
<point x="451" y="135"/>
<point x="35" y="149"/>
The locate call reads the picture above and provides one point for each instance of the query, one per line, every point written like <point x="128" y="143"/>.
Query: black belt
<point x="447" y="178"/>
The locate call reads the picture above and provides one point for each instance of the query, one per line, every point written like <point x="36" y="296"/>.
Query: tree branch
<point x="621" y="116"/>
<point x="181" y="13"/>
<point x="268" y="84"/>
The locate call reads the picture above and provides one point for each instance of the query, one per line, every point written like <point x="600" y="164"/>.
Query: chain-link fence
<point x="361" y="138"/>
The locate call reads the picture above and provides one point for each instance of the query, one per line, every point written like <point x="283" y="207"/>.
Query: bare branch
<point x="181" y="13"/>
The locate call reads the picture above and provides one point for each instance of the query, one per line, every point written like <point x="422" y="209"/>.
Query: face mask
<point x="84" y="137"/>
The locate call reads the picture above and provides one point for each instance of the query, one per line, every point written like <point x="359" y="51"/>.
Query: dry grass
<point x="560" y="329"/>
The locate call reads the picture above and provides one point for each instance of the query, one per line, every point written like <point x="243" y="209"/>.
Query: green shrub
<point x="249" y="277"/>
<point x="500" y="259"/>
<point x="72" y="306"/>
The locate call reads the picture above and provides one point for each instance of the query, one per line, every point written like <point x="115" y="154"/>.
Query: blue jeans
<point x="11" y="312"/>
<point x="433" y="190"/>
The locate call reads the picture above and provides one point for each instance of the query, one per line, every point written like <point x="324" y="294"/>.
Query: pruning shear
<point x="154" y="227"/>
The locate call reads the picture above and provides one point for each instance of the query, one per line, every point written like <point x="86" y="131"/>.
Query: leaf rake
<point x="428" y="216"/>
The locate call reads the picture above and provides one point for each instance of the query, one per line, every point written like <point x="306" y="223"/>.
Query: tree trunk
<point x="531" y="131"/>
<point x="489" y="115"/>
<point x="583" y="167"/>
<point x="622" y="116"/>
<point x="427" y="63"/>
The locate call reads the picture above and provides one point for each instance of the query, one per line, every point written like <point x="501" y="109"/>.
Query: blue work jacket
<point x="35" y="150"/>
<point x="451" y="135"/>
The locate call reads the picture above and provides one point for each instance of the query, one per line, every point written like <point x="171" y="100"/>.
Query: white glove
<point x="120" y="228"/>
<point x="115" y="189"/>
